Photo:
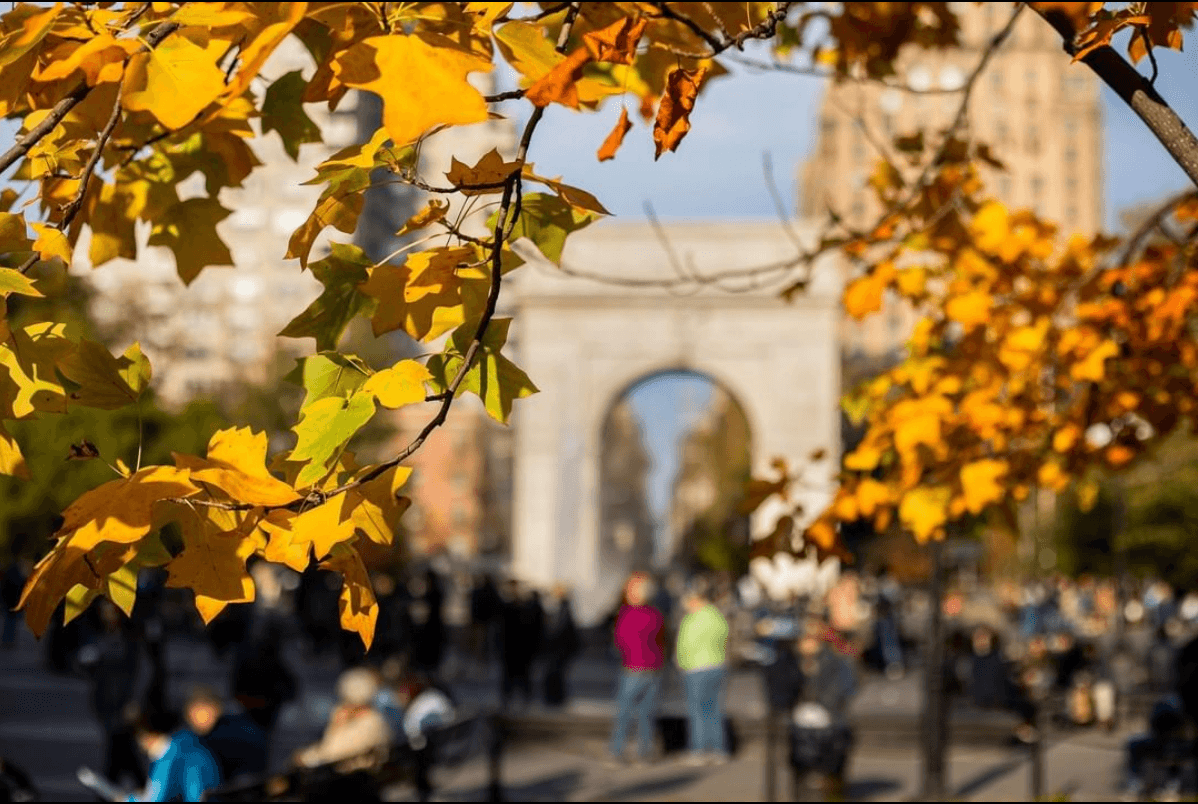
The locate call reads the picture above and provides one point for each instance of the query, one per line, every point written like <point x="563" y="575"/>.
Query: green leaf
<point x="327" y="317"/>
<point x="283" y="111"/>
<point x="102" y="378"/>
<point x="326" y="425"/>
<point x="189" y="230"/>
<point x="496" y="380"/>
<point x="546" y="220"/>
<point x="328" y="374"/>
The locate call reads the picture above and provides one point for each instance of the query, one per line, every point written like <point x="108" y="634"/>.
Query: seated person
<point x="180" y="766"/>
<point x="357" y="735"/>
<point x="234" y="739"/>
<point x="425" y="707"/>
<point x="1166" y="728"/>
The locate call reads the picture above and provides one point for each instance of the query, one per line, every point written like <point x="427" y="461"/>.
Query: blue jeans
<point x="636" y="695"/>
<point x="705" y="709"/>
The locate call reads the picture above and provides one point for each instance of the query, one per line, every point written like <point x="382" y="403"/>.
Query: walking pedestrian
<point x="236" y="742"/>
<point x="561" y="643"/>
<point x="639" y="635"/>
<point x="520" y="640"/>
<point x="110" y="660"/>
<point x="181" y="767"/>
<point x="702" y="648"/>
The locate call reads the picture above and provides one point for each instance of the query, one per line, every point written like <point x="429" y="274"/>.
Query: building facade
<point x="1041" y="115"/>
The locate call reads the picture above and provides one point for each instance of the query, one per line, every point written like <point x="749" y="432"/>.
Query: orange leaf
<point x="673" y="114"/>
<point x="615" y="138"/>
<point x="617" y="42"/>
<point x="558" y="85"/>
<point x="980" y="481"/>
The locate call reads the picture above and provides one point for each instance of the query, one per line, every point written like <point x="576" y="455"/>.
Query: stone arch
<point x="585" y="343"/>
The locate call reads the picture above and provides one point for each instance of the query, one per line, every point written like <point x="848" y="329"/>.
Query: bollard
<point x="1037" y="753"/>
<point x="495" y="759"/>
<point x="771" y="753"/>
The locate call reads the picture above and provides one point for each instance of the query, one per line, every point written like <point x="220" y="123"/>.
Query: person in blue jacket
<point x="181" y="768"/>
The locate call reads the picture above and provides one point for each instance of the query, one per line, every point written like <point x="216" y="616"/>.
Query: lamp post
<point x="935" y="709"/>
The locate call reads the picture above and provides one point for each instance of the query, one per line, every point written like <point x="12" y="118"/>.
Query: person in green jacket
<point x="701" y="653"/>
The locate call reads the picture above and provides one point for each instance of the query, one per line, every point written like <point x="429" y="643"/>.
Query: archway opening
<point x="675" y="456"/>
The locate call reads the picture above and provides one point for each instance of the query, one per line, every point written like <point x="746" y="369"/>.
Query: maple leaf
<point x="12" y="281"/>
<point x="924" y="510"/>
<point x="322" y="527"/>
<point x="673" y="115"/>
<point x="1093" y="367"/>
<point x="617" y="42"/>
<point x="31" y="357"/>
<point x="980" y="481"/>
<point x="236" y="464"/>
<point x="189" y="230"/>
<point x="970" y="309"/>
<point x="12" y="462"/>
<point x="402" y="384"/>
<point x="212" y="564"/>
<point x="429" y="214"/>
<point x="421" y="79"/>
<point x="496" y="380"/>
<point x="274" y="22"/>
<point x="359" y="609"/>
<point x="104" y="381"/>
<point x="174" y="82"/>
<point x="422" y="296"/>
<point x="559" y="85"/>
<point x="283" y="111"/>
<point x="324" y="427"/>
<point x="375" y="506"/>
<point x="326" y="318"/>
<point x="547" y="220"/>
<point x="614" y="139"/>
<point x="487" y="175"/>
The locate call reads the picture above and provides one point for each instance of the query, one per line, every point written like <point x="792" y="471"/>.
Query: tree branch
<point x="1135" y="90"/>
<point x="69" y="102"/>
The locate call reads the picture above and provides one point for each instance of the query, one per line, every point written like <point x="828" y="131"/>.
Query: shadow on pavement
<point x="987" y="776"/>
<point x="866" y="789"/>
<point x="648" y="787"/>
<point x="550" y="788"/>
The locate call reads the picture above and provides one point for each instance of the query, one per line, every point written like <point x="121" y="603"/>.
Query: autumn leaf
<point x="212" y="564"/>
<point x="423" y="295"/>
<point x="612" y="144"/>
<point x="421" y="79"/>
<point x="174" y="82"/>
<point x="189" y="230"/>
<point x="547" y="220"/>
<point x="322" y="527"/>
<point x="559" y="85"/>
<point x="673" y="115"/>
<point x="329" y="374"/>
<point x="1093" y="367"/>
<point x="104" y="381"/>
<point x="12" y="462"/>
<point x="981" y="483"/>
<point x="496" y="380"/>
<point x="375" y="506"/>
<point x="359" y="609"/>
<point x="487" y="176"/>
<point x="283" y="111"/>
<point x="429" y="214"/>
<point x="924" y="511"/>
<point x="236" y="464"/>
<point x="16" y="282"/>
<point x="617" y="42"/>
<point x="402" y="384"/>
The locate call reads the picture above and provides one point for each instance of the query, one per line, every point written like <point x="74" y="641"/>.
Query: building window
<point x="858" y="208"/>
<point x="996" y="79"/>
<point x="1071" y="187"/>
<point x="827" y="135"/>
<point x="1004" y="188"/>
<point x="1033" y="140"/>
<point x="1071" y="214"/>
<point x="1070" y="154"/>
<point x="1001" y="133"/>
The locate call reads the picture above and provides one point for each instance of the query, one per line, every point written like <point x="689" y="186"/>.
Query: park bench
<point x="447" y="746"/>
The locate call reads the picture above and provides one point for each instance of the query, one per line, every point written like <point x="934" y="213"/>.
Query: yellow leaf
<point x="617" y="42"/>
<point x="121" y="510"/>
<point x="422" y="296"/>
<point x="359" y="609"/>
<point x="31" y="357"/>
<point x="106" y="382"/>
<point x="822" y="533"/>
<point x="911" y="281"/>
<point x="432" y="212"/>
<point x="863" y="459"/>
<point x="1050" y="476"/>
<point x="279" y="549"/>
<point x="322" y="527"/>
<point x="863" y="296"/>
<point x="52" y="243"/>
<point x="970" y="309"/>
<point x="375" y="507"/>
<point x="174" y="82"/>
<point x="421" y="79"/>
<point x="402" y="384"/>
<point x="1093" y="368"/>
<point x="673" y="115"/>
<point x="1119" y="454"/>
<point x="1064" y="439"/>
<point x="236" y="465"/>
<point x="924" y="510"/>
<point x="871" y="495"/>
<point x="980" y="481"/>
<point x="282" y="18"/>
<point x="845" y="507"/>
<point x="12" y="462"/>
<point x="989" y="227"/>
<point x="212" y="564"/>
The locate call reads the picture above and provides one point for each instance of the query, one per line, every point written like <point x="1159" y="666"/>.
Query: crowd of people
<point x="1062" y="652"/>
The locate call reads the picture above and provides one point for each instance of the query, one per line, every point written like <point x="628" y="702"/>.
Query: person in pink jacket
<point x="640" y="638"/>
